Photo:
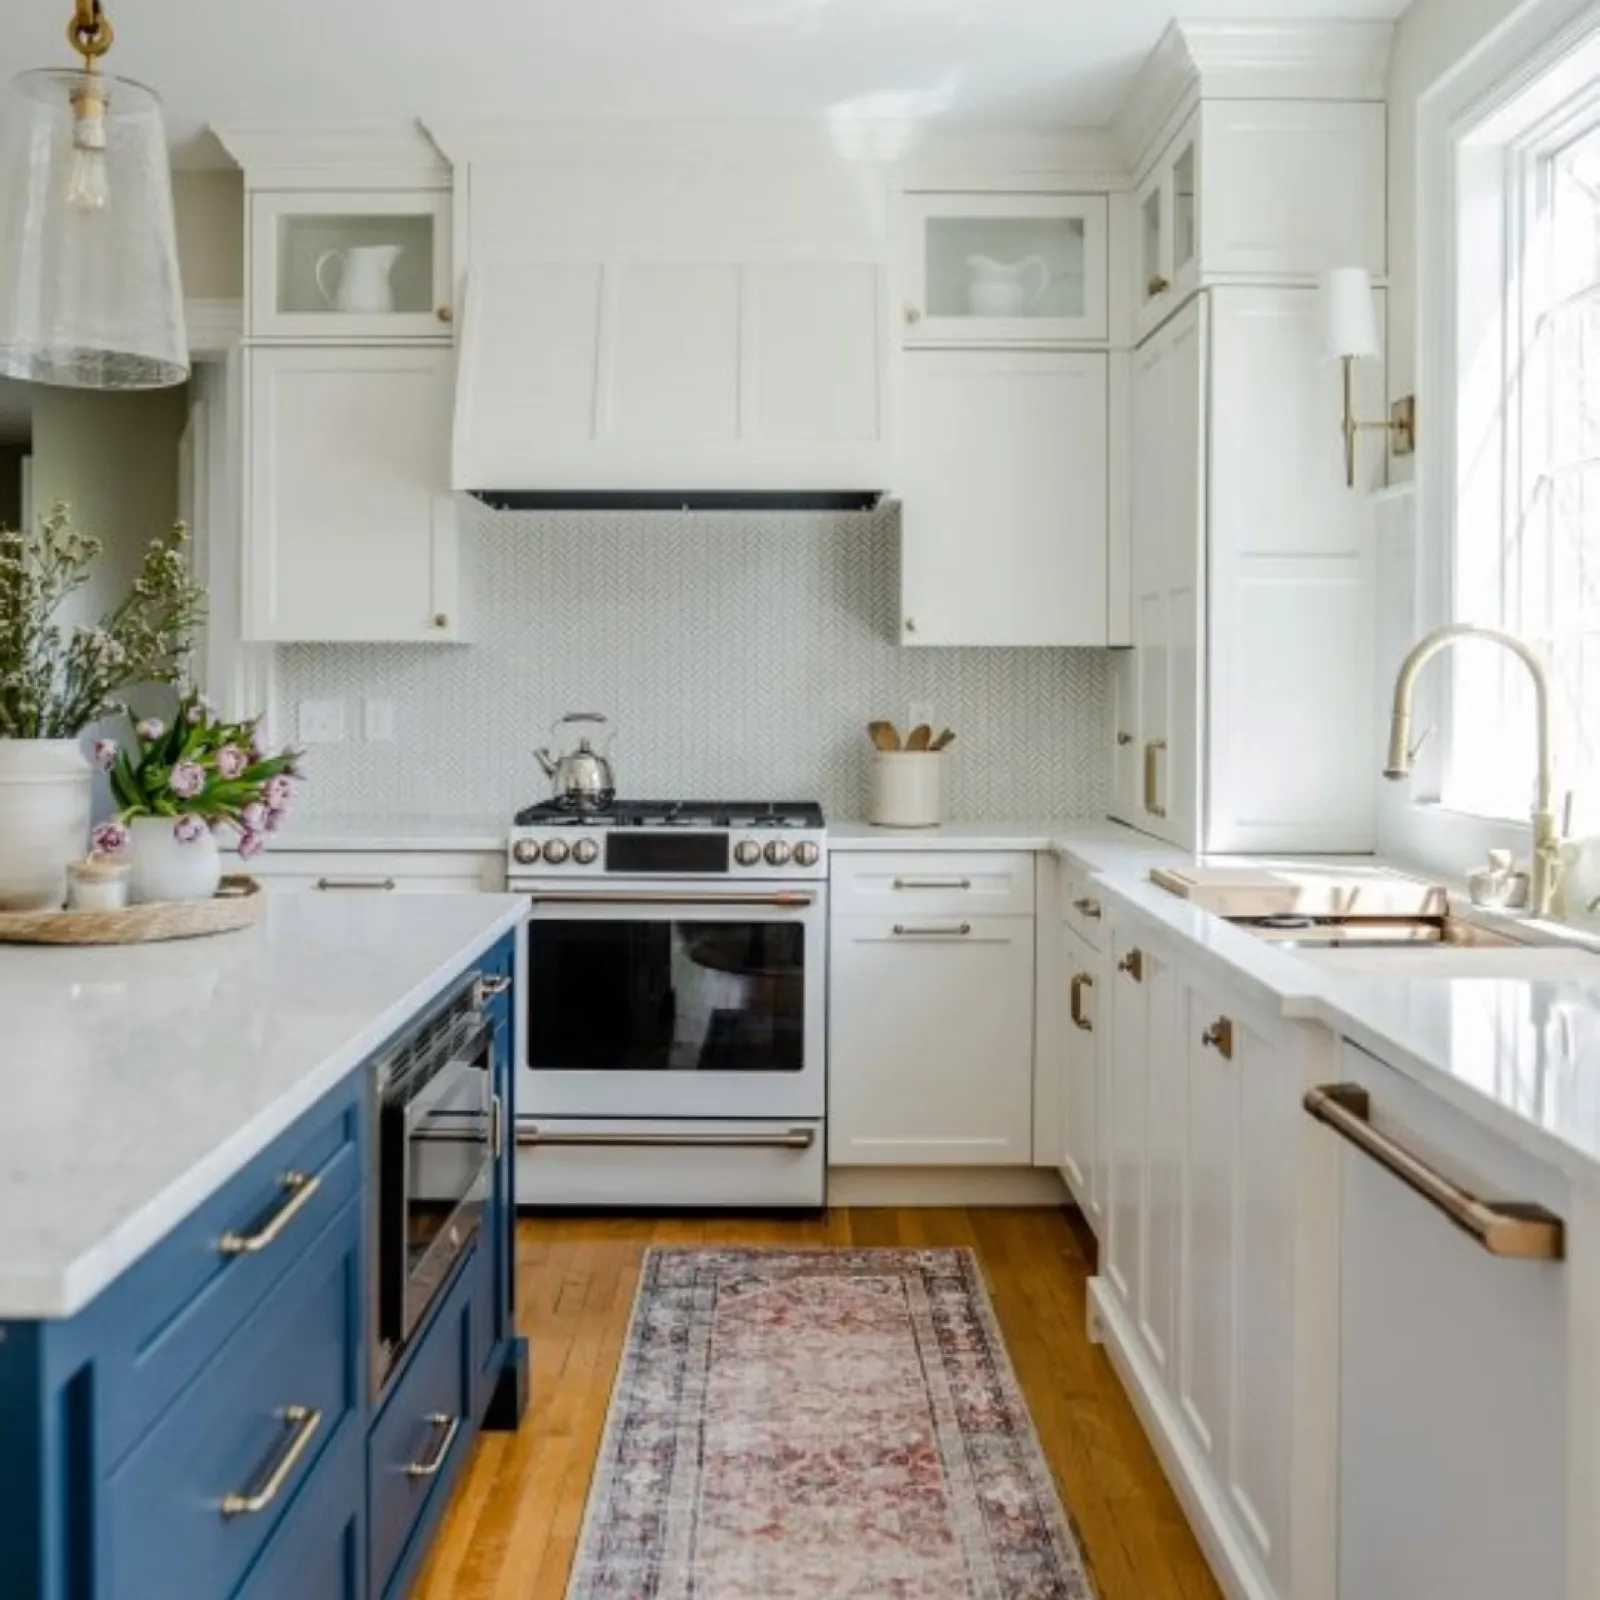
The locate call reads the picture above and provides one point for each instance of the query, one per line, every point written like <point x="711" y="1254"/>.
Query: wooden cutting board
<point x="1303" y="891"/>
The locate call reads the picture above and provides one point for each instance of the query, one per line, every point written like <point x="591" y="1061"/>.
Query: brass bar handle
<point x="1080" y="982"/>
<point x="933" y="883"/>
<point x="374" y="882"/>
<point x="1507" y="1228"/>
<point x="301" y="1187"/>
<point x="932" y="930"/>
<point x="1133" y="965"/>
<point x="793" y="1139"/>
<point x="787" y="899"/>
<point x="1153" y="750"/>
<point x="1088" y="907"/>
<point x="497" y="1126"/>
<point x="448" y="1427"/>
<point x="303" y="1423"/>
<point x="490" y="988"/>
<point x="1219" y="1037"/>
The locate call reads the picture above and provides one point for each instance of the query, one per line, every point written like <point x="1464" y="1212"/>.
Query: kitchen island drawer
<point x="166" y="1317"/>
<point x="191" y="1508"/>
<point x="420" y="1439"/>
<point x="919" y="883"/>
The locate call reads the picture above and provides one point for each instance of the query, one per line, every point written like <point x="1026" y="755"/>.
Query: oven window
<point x="666" y="996"/>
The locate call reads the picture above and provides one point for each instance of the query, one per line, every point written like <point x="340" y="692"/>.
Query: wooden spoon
<point x="884" y="735"/>
<point x="920" y="737"/>
<point x="944" y="741"/>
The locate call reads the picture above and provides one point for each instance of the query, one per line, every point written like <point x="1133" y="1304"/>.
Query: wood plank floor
<point x="513" y="1529"/>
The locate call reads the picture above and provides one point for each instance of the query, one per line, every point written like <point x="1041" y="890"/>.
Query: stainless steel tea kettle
<point x="580" y="777"/>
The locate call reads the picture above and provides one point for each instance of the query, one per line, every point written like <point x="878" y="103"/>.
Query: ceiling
<point x="1012" y="63"/>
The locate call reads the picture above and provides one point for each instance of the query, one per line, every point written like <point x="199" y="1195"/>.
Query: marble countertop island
<point x="136" y="1080"/>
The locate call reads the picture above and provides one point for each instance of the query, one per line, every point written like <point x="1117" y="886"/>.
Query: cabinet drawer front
<point x="316" y="1552"/>
<point x="169" y="1314"/>
<point x="253" y="1425"/>
<point x="923" y="883"/>
<point x="422" y="1436"/>
<point x="373" y="872"/>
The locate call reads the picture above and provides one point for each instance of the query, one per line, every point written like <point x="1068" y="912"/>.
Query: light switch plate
<point x="321" y="721"/>
<point x="377" y="720"/>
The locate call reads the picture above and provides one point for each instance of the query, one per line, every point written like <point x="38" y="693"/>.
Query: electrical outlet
<point x="377" y="720"/>
<point x="321" y="721"/>
<point x="921" y="711"/>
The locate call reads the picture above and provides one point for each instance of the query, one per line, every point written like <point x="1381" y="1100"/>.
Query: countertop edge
<point x="61" y="1295"/>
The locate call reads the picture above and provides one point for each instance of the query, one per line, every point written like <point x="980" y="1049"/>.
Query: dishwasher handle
<point x="1515" y="1230"/>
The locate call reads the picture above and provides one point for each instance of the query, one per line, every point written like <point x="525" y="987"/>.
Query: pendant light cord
<point x="90" y="32"/>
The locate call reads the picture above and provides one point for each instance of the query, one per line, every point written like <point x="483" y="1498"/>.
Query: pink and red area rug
<point x="821" y="1425"/>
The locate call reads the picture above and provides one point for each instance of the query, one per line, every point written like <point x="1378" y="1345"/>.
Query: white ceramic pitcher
<point x="363" y="283"/>
<point x="1000" y="288"/>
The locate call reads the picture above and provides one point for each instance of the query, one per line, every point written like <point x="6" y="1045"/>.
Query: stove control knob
<point x="747" y="852"/>
<point x="806" y="854"/>
<point x="777" y="852"/>
<point x="526" y="851"/>
<point x="585" y="852"/>
<point x="557" y="851"/>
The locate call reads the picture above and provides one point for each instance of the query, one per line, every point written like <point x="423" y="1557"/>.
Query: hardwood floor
<point x="513" y="1529"/>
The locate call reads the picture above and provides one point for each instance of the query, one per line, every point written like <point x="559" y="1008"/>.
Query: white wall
<point x="208" y="208"/>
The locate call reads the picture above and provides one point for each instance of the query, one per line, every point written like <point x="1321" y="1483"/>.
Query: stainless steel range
<point x="672" y="1037"/>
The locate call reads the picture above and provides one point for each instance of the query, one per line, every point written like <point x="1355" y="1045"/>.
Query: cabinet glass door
<point x="1184" y="217"/>
<point x="1005" y="268"/>
<point x="1153" y="282"/>
<point x="350" y="266"/>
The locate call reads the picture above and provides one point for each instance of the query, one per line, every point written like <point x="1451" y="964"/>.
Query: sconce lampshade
<point x="1350" y="325"/>
<point x="90" y="295"/>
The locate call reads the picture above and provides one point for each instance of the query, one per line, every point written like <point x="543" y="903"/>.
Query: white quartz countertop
<point x="394" y="833"/>
<point x="136" y="1080"/>
<point x="1024" y="834"/>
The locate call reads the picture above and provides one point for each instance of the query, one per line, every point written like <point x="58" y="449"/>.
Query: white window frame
<point x="1456" y="167"/>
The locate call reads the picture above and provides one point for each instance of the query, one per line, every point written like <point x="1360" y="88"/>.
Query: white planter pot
<point x="168" y="868"/>
<point x="46" y="799"/>
<point x="907" y="789"/>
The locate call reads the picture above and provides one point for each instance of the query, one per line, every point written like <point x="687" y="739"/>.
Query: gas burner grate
<point x="775" y="814"/>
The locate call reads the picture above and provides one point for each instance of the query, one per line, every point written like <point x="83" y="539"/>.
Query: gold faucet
<point x="1546" y="836"/>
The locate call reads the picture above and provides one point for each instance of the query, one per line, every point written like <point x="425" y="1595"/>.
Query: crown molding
<point x="1251" y="61"/>
<point x="401" y="156"/>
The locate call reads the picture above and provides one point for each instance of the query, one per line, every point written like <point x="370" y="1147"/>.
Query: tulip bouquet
<point x="201" y="772"/>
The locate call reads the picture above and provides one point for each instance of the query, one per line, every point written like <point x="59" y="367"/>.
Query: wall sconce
<point x="1350" y="333"/>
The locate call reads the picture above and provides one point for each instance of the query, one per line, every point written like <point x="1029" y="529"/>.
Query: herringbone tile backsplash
<point x="739" y="656"/>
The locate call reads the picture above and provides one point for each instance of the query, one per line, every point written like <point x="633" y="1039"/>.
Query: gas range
<point x="710" y="839"/>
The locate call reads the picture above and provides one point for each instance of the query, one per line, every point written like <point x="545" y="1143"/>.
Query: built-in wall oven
<point x="436" y="1127"/>
<point x="671" y="1036"/>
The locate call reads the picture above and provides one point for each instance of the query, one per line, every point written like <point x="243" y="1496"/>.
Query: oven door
<point x="652" y="999"/>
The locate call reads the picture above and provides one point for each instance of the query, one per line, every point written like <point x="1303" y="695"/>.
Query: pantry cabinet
<point x="1004" y="529"/>
<point x="350" y="530"/>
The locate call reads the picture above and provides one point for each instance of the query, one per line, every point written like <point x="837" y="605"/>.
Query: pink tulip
<point x="254" y="817"/>
<point x="187" y="780"/>
<point x="109" y="838"/>
<point x="189" y="830"/>
<point x="150" y="729"/>
<point x="251" y="844"/>
<point x="231" y="761"/>
<point x="105" y="754"/>
<point x="279" y="792"/>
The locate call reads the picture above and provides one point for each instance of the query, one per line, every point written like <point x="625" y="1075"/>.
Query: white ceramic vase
<point x="46" y="801"/>
<point x="166" y="867"/>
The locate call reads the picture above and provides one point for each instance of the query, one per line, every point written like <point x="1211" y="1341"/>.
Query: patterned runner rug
<point x="816" y="1425"/>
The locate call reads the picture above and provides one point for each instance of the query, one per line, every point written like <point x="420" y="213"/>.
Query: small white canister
<point x="907" y="789"/>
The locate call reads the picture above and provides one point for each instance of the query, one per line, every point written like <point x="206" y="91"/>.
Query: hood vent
<point x="678" y="499"/>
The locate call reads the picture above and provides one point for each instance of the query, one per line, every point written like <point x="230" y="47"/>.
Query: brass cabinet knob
<point x="1156" y="285"/>
<point x="441" y="619"/>
<point x="911" y="624"/>
<point x="1133" y="965"/>
<point x="913" y="314"/>
<point x="445" y="314"/>
<point x="1219" y="1037"/>
<point x="1124" y="738"/>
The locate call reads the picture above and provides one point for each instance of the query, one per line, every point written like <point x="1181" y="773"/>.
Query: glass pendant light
<point x="90" y="296"/>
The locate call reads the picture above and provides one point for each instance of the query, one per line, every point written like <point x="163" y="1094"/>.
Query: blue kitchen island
<point x="257" y="1265"/>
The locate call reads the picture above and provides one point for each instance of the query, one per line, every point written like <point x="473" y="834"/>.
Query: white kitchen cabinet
<point x="1166" y="229"/>
<point x="1004" y="526"/>
<point x="996" y="269"/>
<point x="350" y="530"/>
<point x="930" y="1040"/>
<point x="347" y="266"/>
<point x="735" y="375"/>
<point x="379" y="872"/>
<point x="1082" y="979"/>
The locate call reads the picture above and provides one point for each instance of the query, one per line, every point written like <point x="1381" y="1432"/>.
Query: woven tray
<point x="237" y="904"/>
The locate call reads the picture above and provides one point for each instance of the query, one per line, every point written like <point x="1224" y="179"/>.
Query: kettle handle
<point x="316" y="272"/>
<point x="585" y="716"/>
<point x="1036" y="265"/>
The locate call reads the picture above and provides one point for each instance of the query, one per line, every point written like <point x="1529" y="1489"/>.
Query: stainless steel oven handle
<point x="788" y="899"/>
<point x="793" y="1139"/>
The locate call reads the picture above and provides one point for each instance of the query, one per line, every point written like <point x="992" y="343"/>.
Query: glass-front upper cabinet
<point x="350" y="266"/>
<point x="1168" y="230"/>
<point x="1004" y="268"/>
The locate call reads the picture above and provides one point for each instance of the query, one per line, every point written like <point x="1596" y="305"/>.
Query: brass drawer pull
<point x="1153" y="751"/>
<point x="1087" y="907"/>
<point x="449" y="1427"/>
<point x="794" y="1139"/>
<point x="932" y="930"/>
<point x="301" y="1187"/>
<point x="1080" y="982"/>
<point x="1133" y="965"/>
<point x="933" y="883"/>
<point x="356" y="883"/>
<point x="1219" y="1037"/>
<point x="1506" y="1228"/>
<point x="497" y="1126"/>
<point x="303" y="1423"/>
